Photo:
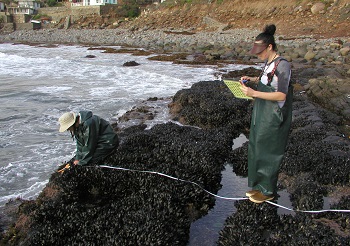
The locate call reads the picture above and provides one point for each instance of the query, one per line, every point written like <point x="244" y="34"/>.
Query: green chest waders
<point x="268" y="137"/>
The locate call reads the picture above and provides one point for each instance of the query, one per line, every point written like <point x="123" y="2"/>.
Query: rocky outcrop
<point x="331" y="93"/>
<point x="117" y="206"/>
<point x="130" y="64"/>
<point x="201" y="107"/>
<point x="315" y="168"/>
<point x="88" y="205"/>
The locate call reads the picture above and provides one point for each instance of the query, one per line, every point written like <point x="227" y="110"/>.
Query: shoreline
<point x="310" y="58"/>
<point x="168" y="40"/>
<point x="231" y="46"/>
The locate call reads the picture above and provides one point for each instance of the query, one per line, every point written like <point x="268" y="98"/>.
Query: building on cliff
<point x="92" y="2"/>
<point x="19" y="12"/>
<point x="2" y="7"/>
<point x="28" y="7"/>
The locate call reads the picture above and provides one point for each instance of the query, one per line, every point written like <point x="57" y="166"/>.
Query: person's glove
<point x="63" y="169"/>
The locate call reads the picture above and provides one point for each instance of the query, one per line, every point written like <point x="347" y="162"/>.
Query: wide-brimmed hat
<point x="66" y="121"/>
<point x="258" y="47"/>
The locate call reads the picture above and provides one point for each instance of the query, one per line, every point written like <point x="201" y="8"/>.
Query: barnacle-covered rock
<point x="141" y="204"/>
<point x="94" y="205"/>
<point x="261" y="225"/>
<point x="210" y="104"/>
<point x="317" y="159"/>
<point x="316" y="146"/>
<point x="308" y="196"/>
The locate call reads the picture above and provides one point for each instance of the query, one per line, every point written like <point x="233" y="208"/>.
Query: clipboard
<point x="234" y="87"/>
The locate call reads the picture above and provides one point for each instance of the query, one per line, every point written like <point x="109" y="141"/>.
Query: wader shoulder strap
<point x="270" y="75"/>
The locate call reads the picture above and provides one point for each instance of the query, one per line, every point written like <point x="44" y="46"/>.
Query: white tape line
<point x="222" y="197"/>
<point x="310" y="211"/>
<point x="171" y="177"/>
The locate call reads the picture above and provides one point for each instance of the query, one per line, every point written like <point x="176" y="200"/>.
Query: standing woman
<point x="271" y="118"/>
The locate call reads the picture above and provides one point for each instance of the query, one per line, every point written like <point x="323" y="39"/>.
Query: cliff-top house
<point x="28" y="7"/>
<point x="2" y="7"/>
<point x="92" y="2"/>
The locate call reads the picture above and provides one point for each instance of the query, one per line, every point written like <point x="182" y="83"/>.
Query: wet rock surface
<point x="131" y="64"/>
<point x="316" y="164"/>
<point x="261" y="225"/>
<point x="97" y="206"/>
<point x="210" y="104"/>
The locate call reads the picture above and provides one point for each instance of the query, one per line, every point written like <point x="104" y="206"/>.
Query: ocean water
<point x="40" y="83"/>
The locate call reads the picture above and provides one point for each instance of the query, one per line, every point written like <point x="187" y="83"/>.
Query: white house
<point x="2" y="7"/>
<point x="28" y="7"/>
<point x="92" y="2"/>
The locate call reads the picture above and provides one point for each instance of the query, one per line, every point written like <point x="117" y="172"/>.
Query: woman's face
<point x="71" y="128"/>
<point x="263" y="55"/>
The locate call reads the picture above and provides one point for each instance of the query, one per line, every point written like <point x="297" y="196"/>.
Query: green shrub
<point x="133" y="11"/>
<point x="51" y="3"/>
<point x="38" y="16"/>
<point x="128" y="11"/>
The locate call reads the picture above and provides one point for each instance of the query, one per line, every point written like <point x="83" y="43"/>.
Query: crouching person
<point x="94" y="136"/>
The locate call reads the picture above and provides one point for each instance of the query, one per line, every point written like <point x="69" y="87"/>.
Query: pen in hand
<point x="244" y="81"/>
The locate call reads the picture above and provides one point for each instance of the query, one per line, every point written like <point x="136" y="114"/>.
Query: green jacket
<point x="95" y="139"/>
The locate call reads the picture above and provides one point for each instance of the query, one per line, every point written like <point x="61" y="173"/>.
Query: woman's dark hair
<point x="267" y="36"/>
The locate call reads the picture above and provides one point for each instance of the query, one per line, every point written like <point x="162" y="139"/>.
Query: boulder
<point x="131" y="64"/>
<point x="344" y="51"/>
<point x="318" y="8"/>
<point x="309" y="55"/>
<point x="301" y="51"/>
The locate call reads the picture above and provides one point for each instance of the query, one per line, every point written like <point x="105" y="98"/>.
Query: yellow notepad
<point x="234" y="87"/>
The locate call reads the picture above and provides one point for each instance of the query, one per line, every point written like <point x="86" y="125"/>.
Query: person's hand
<point x="247" y="90"/>
<point x="76" y="162"/>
